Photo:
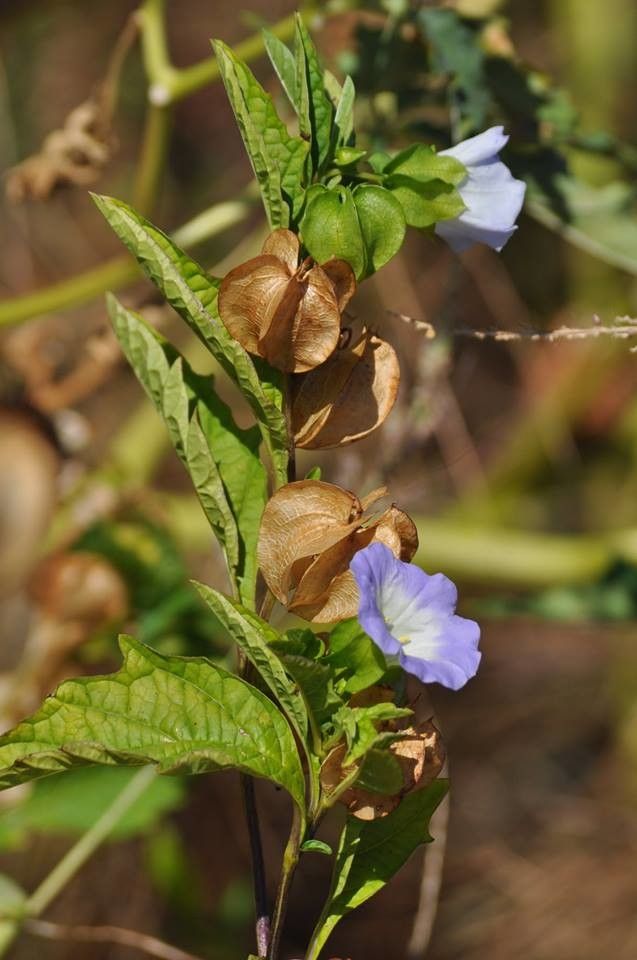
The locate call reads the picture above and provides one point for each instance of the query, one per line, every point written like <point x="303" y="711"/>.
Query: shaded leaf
<point x="316" y="685"/>
<point x="371" y="853"/>
<point x="316" y="846"/>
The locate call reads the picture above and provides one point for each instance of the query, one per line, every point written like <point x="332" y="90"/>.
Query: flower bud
<point x="286" y="312"/>
<point x="309" y="533"/>
<point x="349" y="395"/>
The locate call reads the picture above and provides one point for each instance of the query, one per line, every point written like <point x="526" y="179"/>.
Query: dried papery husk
<point x="421" y="755"/>
<point x="327" y="591"/>
<point x="309" y="533"/>
<point x="299" y="522"/>
<point x="348" y="396"/>
<point x="287" y="313"/>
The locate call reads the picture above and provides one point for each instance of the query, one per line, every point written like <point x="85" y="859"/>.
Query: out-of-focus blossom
<point x="492" y="196"/>
<point x="411" y="616"/>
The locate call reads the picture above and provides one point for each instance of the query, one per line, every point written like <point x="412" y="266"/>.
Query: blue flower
<point x="492" y="196"/>
<point x="411" y="615"/>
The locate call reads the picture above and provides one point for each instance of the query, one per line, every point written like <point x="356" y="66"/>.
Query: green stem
<point x="290" y="861"/>
<point x="118" y="272"/>
<point x="181" y="83"/>
<point x="152" y="159"/>
<point x="80" y="852"/>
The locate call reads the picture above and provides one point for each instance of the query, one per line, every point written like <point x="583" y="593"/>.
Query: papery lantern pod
<point x="349" y="395"/>
<point x="420" y="752"/>
<point x="286" y="312"/>
<point x="327" y="591"/>
<point x="310" y="531"/>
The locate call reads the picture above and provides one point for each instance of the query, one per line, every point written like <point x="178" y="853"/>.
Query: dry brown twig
<point x="621" y="328"/>
<point x="143" y="942"/>
<point x="78" y="151"/>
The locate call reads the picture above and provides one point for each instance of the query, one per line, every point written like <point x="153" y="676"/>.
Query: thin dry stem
<point x="143" y="942"/>
<point x="620" y="329"/>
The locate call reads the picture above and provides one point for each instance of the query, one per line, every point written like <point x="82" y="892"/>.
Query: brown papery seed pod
<point x="349" y="395"/>
<point x="309" y="533"/>
<point x="286" y="312"/>
<point x="421" y="756"/>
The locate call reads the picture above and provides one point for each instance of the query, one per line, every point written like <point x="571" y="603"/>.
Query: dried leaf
<point x="74" y="155"/>
<point x="282" y="311"/>
<point x="348" y="396"/>
<point x="421" y="755"/>
<point x="309" y="533"/>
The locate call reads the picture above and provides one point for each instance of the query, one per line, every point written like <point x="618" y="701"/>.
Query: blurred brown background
<point x="498" y="448"/>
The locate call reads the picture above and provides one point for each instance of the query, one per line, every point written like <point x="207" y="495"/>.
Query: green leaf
<point x="70" y="805"/>
<point x="166" y="387"/>
<point x="456" y="50"/>
<point x="184" y="715"/>
<point x="424" y="204"/>
<point x="382" y="224"/>
<point x="320" y="110"/>
<point x="316" y="684"/>
<point x="422" y="163"/>
<point x="316" y="846"/>
<point x="278" y="159"/>
<point x="371" y="852"/>
<point x="359" y="726"/>
<point x="253" y="635"/>
<point x="365" y="227"/>
<point x="210" y="490"/>
<point x="193" y="294"/>
<point x="330" y="228"/>
<point x="300" y="641"/>
<point x="380" y="772"/>
<point x="236" y="454"/>
<point x="344" y="118"/>
<point x="358" y="662"/>
<point x="284" y="64"/>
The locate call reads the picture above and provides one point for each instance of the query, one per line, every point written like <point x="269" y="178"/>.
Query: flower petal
<point x="492" y="196"/>
<point x="412" y="614"/>
<point x="479" y="148"/>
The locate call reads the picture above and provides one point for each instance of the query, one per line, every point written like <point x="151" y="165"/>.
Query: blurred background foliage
<point x="519" y="458"/>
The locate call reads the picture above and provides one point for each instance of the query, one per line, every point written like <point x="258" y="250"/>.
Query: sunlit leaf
<point x="371" y="852"/>
<point x="278" y="159"/>
<point x="184" y="715"/>
<point x="319" y="106"/>
<point x="193" y="294"/>
<point x="253" y="635"/>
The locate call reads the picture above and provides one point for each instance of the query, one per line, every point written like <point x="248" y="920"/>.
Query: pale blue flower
<point x="411" y="616"/>
<point x="492" y="196"/>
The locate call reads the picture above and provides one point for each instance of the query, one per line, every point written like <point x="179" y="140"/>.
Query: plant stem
<point x="119" y="271"/>
<point x="181" y="83"/>
<point x="262" y="914"/>
<point x="290" y="862"/>
<point x="126" y="938"/>
<point x="152" y="159"/>
<point x="287" y="402"/>
<point x="80" y="852"/>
